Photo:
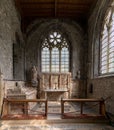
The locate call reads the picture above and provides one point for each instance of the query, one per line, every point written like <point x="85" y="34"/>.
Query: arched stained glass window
<point x="107" y="43"/>
<point x="55" y="53"/>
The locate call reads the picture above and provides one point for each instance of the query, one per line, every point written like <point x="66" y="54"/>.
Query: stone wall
<point x="103" y="88"/>
<point x="18" y="90"/>
<point x="9" y="27"/>
<point x="30" y="92"/>
<point x="98" y="86"/>
<point x="37" y="31"/>
<point x="78" y="89"/>
<point x="2" y="91"/>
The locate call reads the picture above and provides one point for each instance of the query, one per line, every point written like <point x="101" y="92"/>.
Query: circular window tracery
<point x="55" y="38"/>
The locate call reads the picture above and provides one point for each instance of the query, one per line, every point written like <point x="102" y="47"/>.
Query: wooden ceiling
<point x="74" y="9"/>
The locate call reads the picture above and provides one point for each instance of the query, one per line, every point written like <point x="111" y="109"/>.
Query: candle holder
<point x="55" y="86"/>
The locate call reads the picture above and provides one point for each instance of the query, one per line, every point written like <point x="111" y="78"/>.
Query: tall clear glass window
<point x="107" y="43"/>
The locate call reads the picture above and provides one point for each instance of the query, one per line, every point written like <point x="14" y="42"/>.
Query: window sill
<point x="104" y="76"/>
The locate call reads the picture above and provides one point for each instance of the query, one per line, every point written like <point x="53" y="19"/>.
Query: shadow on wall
<point x="91" y="88"/>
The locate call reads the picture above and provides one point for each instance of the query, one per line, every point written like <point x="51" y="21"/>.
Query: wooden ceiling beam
<point x="48" y="9"/>
<point x="37" y="6"/>
<point x="74" y="9"/>
<point x="70" y="13"/>
<point x="59" y="1"/>
<point x="55" y="8"/>
<point x="75" y="1"/>
<point x="52" y="14"/>
<point x="40" y="15"/>
<point x="35" y="1"/>
<point x="82" y="1"/>
<point x="52" y="6"/>
<point x="51" y="10"/>
<point x="59" y="16"/>
<point x="47" y="3"/>
<point x="38" y="11"/>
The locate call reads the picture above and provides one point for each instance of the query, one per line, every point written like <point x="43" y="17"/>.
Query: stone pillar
<point x="1" y="91"/>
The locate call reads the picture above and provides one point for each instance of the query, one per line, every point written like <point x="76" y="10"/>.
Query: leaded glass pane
<point x="45" y="59"/>
<point x="64" y="59"/>
<point x="107" y="44"/>
<point x="55" y="53"/>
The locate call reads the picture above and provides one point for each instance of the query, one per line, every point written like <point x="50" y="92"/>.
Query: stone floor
<point x="37" y="111"/>
<point x="55" y="107"/>
<point x="45" y="125"/>
<point x="55" y="122"/>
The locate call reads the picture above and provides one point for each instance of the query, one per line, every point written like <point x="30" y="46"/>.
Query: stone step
<point x="57" y="119"/>
<point x="53" y="117"/>
<point x="69" y="124"/>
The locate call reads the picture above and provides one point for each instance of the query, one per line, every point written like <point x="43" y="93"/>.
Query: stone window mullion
<point x="108" y="51"/>
<point x="50" y="58"/>
<point x="60" y="60"/>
